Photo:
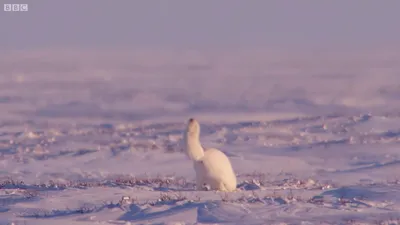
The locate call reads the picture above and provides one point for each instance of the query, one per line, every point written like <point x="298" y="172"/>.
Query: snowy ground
<point x="313" y="139"/>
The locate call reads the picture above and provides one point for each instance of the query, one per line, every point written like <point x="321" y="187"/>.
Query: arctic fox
<point x="212" y="166"/>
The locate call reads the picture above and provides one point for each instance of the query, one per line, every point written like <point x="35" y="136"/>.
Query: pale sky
<point x="197" y="24"/>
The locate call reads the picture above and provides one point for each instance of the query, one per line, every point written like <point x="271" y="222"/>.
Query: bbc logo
<point x="15" y="7"/>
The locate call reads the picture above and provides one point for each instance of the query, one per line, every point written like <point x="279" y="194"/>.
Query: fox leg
<point x="199" y="182"/>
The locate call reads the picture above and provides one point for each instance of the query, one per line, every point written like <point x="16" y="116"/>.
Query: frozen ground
<point x="313" y="139"/>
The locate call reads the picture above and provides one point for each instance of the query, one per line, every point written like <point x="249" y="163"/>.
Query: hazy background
<point x="142" y="59"/>
<point x="206" y="24"/>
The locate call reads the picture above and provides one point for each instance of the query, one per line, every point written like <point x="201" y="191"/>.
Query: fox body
<point x="212" y="166"/>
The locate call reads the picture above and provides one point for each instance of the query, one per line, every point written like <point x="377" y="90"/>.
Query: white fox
<point x="212" y="166"/>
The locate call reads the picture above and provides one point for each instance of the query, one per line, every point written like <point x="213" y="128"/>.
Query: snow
<point x="90" y="138"/>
